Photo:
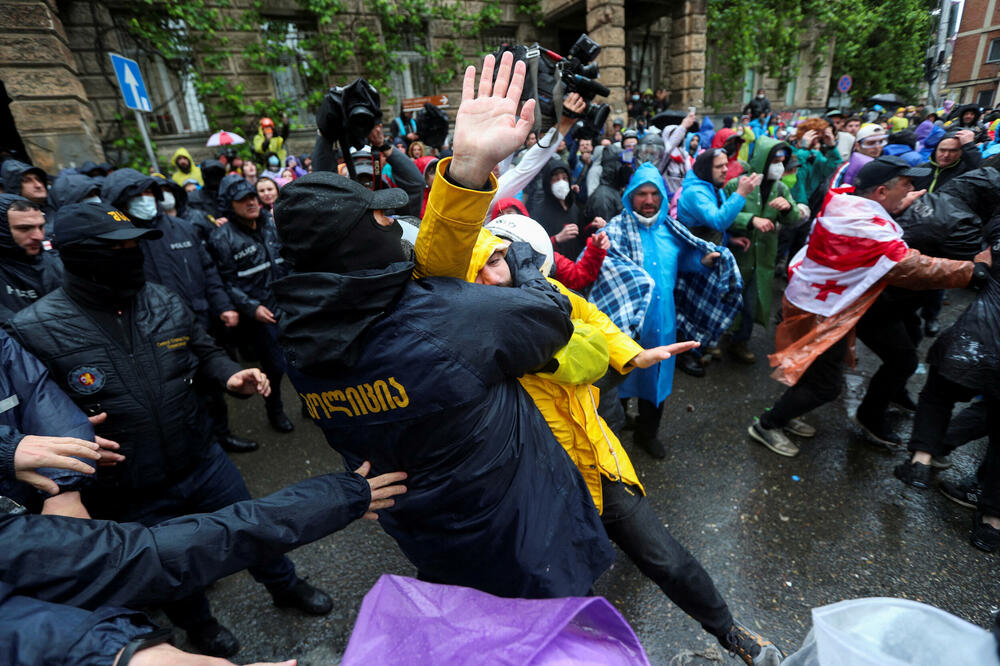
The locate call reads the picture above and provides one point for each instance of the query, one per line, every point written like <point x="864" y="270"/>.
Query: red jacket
<point x="581" y="274"/>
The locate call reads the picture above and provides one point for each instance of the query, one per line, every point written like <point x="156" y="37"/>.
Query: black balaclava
<point x="367" y="246"/>
<point x="703" y="169"/>
<point x="99" y="275"/>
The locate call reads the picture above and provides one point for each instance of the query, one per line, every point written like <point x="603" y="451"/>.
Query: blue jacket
<point x="421" y="376"/>
<point x="912" y="157"/>
<point x="698" y="206"/>
<point x="32" y="404"/>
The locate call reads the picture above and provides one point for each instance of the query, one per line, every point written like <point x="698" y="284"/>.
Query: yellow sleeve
<point x="584" y="359"/>
<point x="621" y="347"/>
<point x="446" y="240"/>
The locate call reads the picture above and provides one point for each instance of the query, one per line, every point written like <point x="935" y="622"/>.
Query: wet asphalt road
<point x="776" y="546"/>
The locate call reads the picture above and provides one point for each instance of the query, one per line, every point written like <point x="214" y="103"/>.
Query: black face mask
<point x="368" y="246"/>
<point x="106" y="272"/>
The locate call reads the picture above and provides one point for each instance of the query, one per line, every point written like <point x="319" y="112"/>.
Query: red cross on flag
<point x="853" y="243"/>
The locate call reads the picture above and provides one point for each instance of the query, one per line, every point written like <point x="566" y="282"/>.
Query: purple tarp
<point x="406" y="621"/>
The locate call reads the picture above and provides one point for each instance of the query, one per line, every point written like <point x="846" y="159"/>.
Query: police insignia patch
<point x="86" y="379"/>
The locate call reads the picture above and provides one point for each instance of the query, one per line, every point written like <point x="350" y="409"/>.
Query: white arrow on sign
<point x="132" y="83"/>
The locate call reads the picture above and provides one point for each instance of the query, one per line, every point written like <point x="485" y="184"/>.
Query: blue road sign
<point x="844" y="84"/>
<point x="131" y="83"/>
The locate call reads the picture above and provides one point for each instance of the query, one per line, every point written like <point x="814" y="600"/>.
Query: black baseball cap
<point x="883" y="169"/>
<point x="77" y="223"/>
<point x="315" y="212"/>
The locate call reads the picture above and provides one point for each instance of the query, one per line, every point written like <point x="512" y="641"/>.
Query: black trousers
<point x="263" y="340"/>
<point x="886" y="330"/>
<point x="819" y="384"/>
<point x="931" y="431"/>
<point x="647" y="423"/>
<point x="631" y="523"/>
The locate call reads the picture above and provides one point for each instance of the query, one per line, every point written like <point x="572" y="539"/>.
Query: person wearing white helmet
<point x="869" y="142"/>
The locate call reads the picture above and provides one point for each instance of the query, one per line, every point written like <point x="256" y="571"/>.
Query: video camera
<point x="347" y="116"/>
<point x="550" y="77"/>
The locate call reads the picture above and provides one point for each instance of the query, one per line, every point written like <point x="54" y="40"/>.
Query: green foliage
<point x="880" y="43"/>
<point x="532" y="9"/>
<point x="128" y="145"/>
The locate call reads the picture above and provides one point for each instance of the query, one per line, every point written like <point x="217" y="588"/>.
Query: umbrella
<point x="224" y="138"/>
<point x="668" y="117"/>
<point x="887" y="100"/>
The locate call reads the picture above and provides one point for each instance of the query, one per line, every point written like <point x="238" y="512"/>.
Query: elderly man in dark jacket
<point x="73" y="610"/>
<point x="421" y="375"/>
<point x="179" y="261"/>
<point x="248" y="254"/>
<point x="119" y="344"/>
<point x="27" y="271"/>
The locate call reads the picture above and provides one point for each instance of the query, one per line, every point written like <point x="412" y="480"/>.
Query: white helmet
<point x="518" y="228"/>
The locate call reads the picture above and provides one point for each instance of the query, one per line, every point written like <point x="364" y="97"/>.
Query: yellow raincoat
<point x="179" y="176"/>
<point x="566" y="399"/>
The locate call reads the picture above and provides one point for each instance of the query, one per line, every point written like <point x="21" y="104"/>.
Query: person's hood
<point x="707" y="132"/>
<point x="212" y="173"/>
<point x="934" y="137"/>
<point x="71" y="189"/>
<point x="923" y="129"/>
<point x="764" y="152"/>
<point x="8" y="248"/>
<point x="647" y="174"/>
<point x="612" y="167"/>
<point x="324" y="316"/>
<point x="905" y="137"/>
<point x="896" y="149"/>
<point x="123" y="184"/>
<point x="12" y="171"/>
<point x="554" y="164"/>
<point x="508" y="202"/>
<point x="720" y="138"/>
<point x="960" y="111"/>
<point x="423" y="162"/>
<point x="181" y="152"/>
<point x="486" y="245"/>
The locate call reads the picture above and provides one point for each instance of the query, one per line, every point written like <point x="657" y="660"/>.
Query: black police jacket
<point x="248" y="261"/>
<point x="180" y="262"/>
<point x="421" y="376"/>
<point x="146" y="388"/>
<point x="24" y="280"/>
<point x="103" y="566"/>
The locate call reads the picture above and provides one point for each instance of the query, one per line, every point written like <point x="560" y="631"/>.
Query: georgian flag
<point x="853" y="243"/>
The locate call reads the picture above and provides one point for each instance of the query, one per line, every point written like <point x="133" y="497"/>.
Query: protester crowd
<point x="448" y="317"/>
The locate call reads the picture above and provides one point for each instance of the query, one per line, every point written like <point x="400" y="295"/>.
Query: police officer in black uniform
<point x="118" y="344"/>
<point x="27" y="271"/>
<point x="180" y="262"/>
<point x="248" y="255"/>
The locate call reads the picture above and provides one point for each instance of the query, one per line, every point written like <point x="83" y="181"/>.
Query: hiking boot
<point x="750" y="647"/>
<point x="904" y="403"/>
<point x="774" y="439"/>
<point x="878" y="432"/>
<point x="651" y="445"/>
<point x="689" y="364"/>
<point x="714" y="351"/>
<point x="983" y="536"/>
<point x="740" y="352"/>
<point x="913" y="474"/>
<point x="941" y="462"/>
<point x="800" y="428"/>
<point x="965" y="492"/>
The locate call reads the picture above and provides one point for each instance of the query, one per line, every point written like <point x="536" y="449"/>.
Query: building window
<point x="790" y="91"/>
<point x="287" y="44"/>
<point x="497" y="37"/>
<point x="643" y="62"/>
<point x="984" y="98"/>
<point x="413" y="78"/>
<point x="994" y="53"/>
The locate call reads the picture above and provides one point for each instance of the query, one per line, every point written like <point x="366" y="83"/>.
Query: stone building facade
<point x="65" y="107"/>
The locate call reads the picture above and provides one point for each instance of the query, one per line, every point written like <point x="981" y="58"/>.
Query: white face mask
<point x="776" y="171"/>
<point x="560" y="189"/>
<point x="168" y="203"/>
<point x="142" y="207"/>
<point x="643" y="220"/>
<point x="93" y="199"/>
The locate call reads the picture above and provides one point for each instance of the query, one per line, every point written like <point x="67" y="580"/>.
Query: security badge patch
<point x="86" y="379"/>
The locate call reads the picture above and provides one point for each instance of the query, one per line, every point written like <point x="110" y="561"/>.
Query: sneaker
<point x="904" y="403"/>
<point x="742" y="353"/>
<point x="749" y="646"/>
<point x="800" y="428"/>
<point x="983" y="536"/>
<point x="913" y="474"/>
<point x="774" y="439"/>
<point x="965" y="492"/>
<point x="941" y="462"/>
<point x="879" y="433"/>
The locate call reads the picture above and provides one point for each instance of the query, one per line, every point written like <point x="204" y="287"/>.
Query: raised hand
<point x="488" y="127"/>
